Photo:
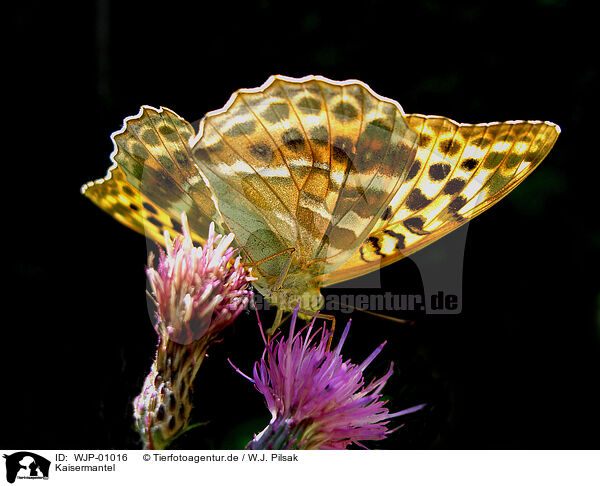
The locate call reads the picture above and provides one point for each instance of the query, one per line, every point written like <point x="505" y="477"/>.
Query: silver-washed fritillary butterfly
<point x="321" y="181"/>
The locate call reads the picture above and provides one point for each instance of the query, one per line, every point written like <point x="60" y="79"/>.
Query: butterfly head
<point x="310" y="297"/>
<point x="311" y="301"/>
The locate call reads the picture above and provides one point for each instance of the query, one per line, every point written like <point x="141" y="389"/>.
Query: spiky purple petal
<point x="318" y="400"/>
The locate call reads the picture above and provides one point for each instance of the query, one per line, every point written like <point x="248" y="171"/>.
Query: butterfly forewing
<point x="153" y="179"/>
<point x="460" y="170"/>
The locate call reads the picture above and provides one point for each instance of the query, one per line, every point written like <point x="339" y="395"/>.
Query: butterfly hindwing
<point x="304" y="164"/>
<point x="240" y="150"/>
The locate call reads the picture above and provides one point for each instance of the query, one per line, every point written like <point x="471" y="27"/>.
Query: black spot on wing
<point x="341" y="237"/>
<point x="362" y="254"/>
<point x="414" y="170"/>
<point x="343" y="143"/>
<point x="379" y="128"/>
<point x="242" y="128"/>
<point x="415" y="226"/>
<point x="276" y="111"/>
<point x="160" y="414"/>
<point x="308" y="104"/>
<point x="374" y="242"/>
<point x="182" y="159"/>
<point x="150" y="208"/>
<point x="400" y="245"/>
<point x="506" y="138"/>
<point x="416" y="200"/>
<point x="159" y="184"/>
<point x="449" y="146"/>
<point x="469" y="164"/>
<point x="262" y="152"/>
<point x="454" y="186"/>
<point x="387" y="214"/>
<point x="339" y="154"/>
<point x="176" y="226"/>
<point x="138" y="152"/>
<point x="457" y="204"/>
<point x="424" y="140"/>
<point x="438" y="172"/>
<point x="341" y="150"/>
<point x="150" y="137"/>
<point x="168" y="132"/>
<point x="344" y="111"/>
<point x="152" y="220"/>
<point x="319" y="135"/>
<point x="293" y="140"/>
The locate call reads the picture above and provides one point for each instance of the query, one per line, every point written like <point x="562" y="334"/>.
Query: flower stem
<point x="162" y="411"/>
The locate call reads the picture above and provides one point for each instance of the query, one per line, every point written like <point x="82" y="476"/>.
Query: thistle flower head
<point x="197" y="291"/>
<point x="317" y="399"/>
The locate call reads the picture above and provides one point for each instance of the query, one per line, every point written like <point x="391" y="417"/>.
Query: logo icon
<point x="26" y="465"/>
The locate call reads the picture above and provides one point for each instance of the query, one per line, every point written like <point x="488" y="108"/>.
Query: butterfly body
<point x="320" y="181"/>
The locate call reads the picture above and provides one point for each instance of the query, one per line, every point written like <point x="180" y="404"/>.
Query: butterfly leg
<point x="284" y="271"/>
<point x="332" y="319"/>
<point x="274" y="255"/>
<point x="276" y="323"/>
<point x="277" y="287"/>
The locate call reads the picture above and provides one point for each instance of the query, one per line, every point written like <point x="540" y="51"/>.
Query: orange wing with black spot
<point x="153" y="178"/>
<point x="460" y="170"/>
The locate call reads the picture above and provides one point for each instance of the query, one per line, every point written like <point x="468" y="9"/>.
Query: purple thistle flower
<point x="318" y="400"/>
<point x="197" y="292"/>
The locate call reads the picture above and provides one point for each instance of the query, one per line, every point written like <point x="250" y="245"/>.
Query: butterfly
<point x="320" y="181"/>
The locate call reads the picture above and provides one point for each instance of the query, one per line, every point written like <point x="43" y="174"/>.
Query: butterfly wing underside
<point x="153" y="178"/>
<point x="304" y="164"/>
<point x="329" y="169"/>
<point x="460" y="170"/>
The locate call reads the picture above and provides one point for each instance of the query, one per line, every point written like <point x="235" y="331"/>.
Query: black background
<point x="519" y="368"/>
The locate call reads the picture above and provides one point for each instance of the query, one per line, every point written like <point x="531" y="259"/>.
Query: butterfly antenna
<point x="382" y="316"/>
